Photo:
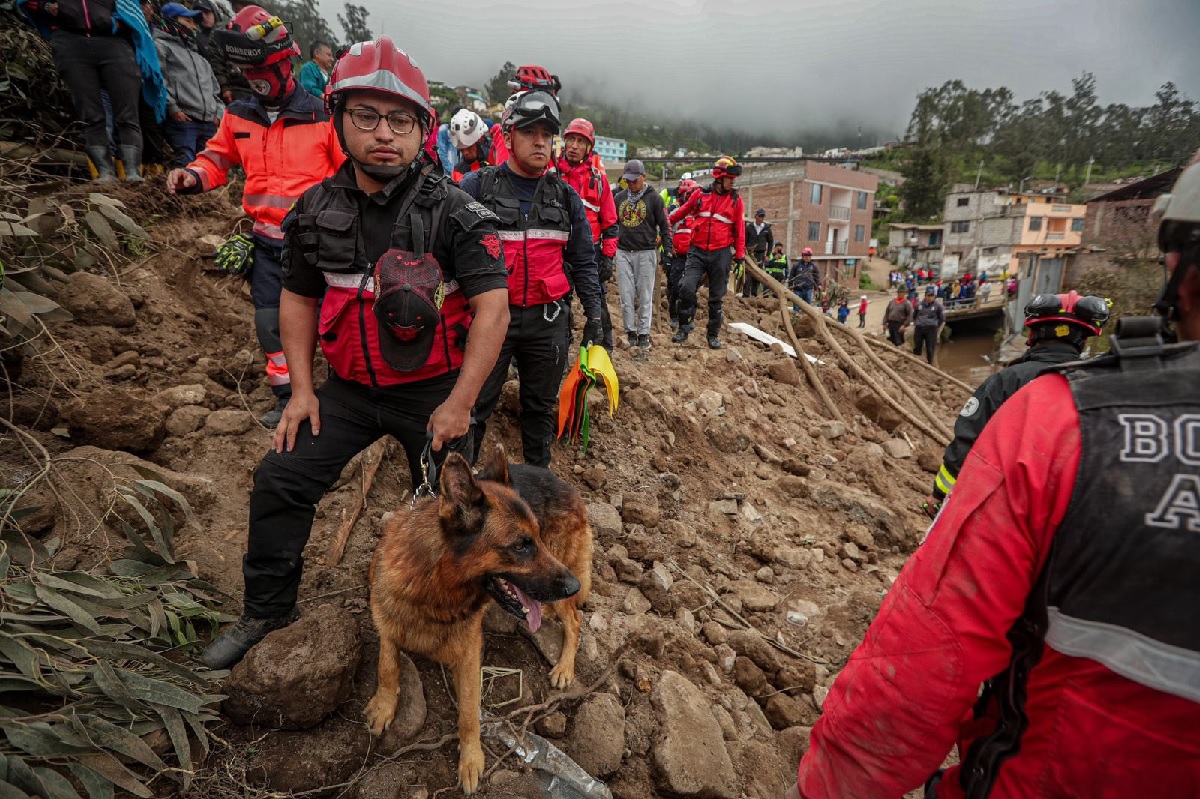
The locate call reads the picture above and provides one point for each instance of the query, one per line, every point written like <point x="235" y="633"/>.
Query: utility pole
<point x="1088" y="179"/>
<point x="979" y="174"/>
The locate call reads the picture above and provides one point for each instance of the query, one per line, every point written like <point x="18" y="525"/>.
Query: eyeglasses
<point x="367" y="119"/>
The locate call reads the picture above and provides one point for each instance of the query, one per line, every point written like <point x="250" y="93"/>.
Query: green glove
<point x="236" y="254"/>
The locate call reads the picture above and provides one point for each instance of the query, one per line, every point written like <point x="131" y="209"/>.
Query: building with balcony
<point x="996" y="232"/>
<point x="823" y="206"/>
<point x="915" y="246"/>
<point x="613" y="152"/>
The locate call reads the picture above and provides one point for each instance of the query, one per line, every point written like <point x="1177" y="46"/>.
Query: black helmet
<point x="1068" y="316"/>
<point x="531" y="107"/>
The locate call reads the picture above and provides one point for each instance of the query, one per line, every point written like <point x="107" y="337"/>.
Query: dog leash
<point x="429" y="471"/>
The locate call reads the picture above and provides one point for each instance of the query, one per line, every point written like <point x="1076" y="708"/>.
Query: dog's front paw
<point x="470" y="767"/>
<point x="562" y="675"/>
<point x="380" y="712"/>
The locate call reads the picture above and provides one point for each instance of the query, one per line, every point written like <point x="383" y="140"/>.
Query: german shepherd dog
<point x="514" y="534"/>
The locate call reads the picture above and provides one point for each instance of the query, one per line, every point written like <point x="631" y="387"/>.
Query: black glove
<point x="604" y="265"/>
<point x="592" y="332"/>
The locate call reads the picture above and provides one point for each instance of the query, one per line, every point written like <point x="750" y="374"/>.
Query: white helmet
<point x="466" y="128"/>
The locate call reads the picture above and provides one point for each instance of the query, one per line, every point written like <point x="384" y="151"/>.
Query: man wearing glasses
<point x="543" y="227"/>
<point x="388" y="266"/>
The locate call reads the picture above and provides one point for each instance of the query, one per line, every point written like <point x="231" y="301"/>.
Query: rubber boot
<point x="105" y="171"/>
<point x="132" y="158"/>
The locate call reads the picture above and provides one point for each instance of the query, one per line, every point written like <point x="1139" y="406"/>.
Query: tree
<point x="304" y="22"/>
<point x="497" y="88"/>
<point x="926" y="177"/>
<point x="354" y="23"/>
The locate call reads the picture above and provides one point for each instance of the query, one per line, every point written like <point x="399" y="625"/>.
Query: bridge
<point x="994" y="305"/>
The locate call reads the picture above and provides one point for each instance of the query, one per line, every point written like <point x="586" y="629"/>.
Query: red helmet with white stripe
<point x="379" y="66"/>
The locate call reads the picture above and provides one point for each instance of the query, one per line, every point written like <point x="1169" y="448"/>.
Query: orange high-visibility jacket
<point x="281" y="159"/>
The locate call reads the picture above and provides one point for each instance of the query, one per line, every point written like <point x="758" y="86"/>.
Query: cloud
<point x="786" y="65"/>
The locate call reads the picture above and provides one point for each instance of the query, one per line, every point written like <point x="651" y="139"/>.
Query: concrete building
<point x="994" y="231"/>
<point x="810" y="204"/>
<point x="1117" y="228"/>
<point x="915" y="246"/>
<point x="612" y="151"/>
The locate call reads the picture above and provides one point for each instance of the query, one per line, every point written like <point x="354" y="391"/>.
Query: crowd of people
<point x="1044" y="624"/>
<point x="966" y="291"/>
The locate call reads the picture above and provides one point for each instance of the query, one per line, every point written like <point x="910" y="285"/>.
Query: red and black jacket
<point x="719" y="220"/>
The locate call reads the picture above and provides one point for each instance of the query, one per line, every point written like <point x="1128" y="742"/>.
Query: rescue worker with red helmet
<point x="681" y="241"/>
<point x="591" y="184"/>
<point x="1061" y="576"/>
<point x="281" y="138"/>
<point x="544" y="228"/>
<point x="718" y="211"/>
<point x="388" y="267"/>
<point x="1058" y="327"/>
<point x="471" y="137"/>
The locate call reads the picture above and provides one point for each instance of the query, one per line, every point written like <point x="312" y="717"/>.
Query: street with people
<point x="368" y="434"/>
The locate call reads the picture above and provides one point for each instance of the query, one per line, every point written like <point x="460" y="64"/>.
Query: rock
<point x="877" y="410"/>
<point x="749" y="677"/>
<point x="111" y="418"/>
<point x="714" y="633"/>
<point x="791" y="556"/>
<point x="796" y="467"/>
<point x="832" y="429"/>
<point x="755" y="596"/>
<point x="298" y="675"/>
<point x="29" y="409"/>
<point x="94" y="300"/>
<point x="178" y="396"/>
<point x="750" y="514"/>
<point x="851" y="551"/>
<point x="727" y="437"/>
<point x="660" y="601"/>
<point x="595" y="478"/>
<point x="228" y="422"/>
<point x="805" y="607"/>
<point x="597" y="741"/>
<point x="635" y="603"/>
<point x="767" y="455"/>
<point x="784" y="372"/>
<point x="640" y="509"/>
<point x="411" y="710"/>
<point x="930" y="459"/>
<point x="796" y="678"/>
<point x="553" y="725"/>
<point x="793" y="745"/>
<point x="792" y="486"/>
<point x="292" y="762"/>
<point x="783" y="711"/>
<point x="765" y="575"/>
<point x="898" y="448"/>
<point x="186" y="419"/>
<point x="709" y="400"/>
<point x="126" y="358"/>
<point x="860" y="535"/>
<point x="662" y="576"/>
<point x="723" y="507"/>
<point x="628" y="570"/>
<point x="752" y="645"/>
<point x="827" y="460"/>
<point x="604" y="518"/>
<point x="37" y="510"/>
<point x="126" y="372"/>
<point x="689" y="755"/>
<point x="726" y="657"/>
<point x="863" y="508"/>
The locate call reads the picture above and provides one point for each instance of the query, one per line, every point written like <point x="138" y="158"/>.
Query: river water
<point x="972" y="343"/>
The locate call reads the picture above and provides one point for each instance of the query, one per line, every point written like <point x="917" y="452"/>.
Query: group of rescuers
<point x="1047" y="624"/>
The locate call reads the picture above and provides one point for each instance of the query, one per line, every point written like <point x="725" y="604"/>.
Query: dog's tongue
<point x="534" y="617"/>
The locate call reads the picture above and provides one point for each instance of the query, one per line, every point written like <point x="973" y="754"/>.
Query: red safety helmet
<point x="686" y="187"/>
<point x="726" y="167"/>
<point x="532" y="76"/>
<point x="806" y="251"/>
<point x="255" y="38"/>
<point x="581" y="127"/>
<point x="1050" y="311"/>
<point x="379" y="66"/>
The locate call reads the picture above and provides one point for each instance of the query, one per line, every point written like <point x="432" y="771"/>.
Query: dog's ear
<point x="495" y="466"/>
<point x="460" y="498"/>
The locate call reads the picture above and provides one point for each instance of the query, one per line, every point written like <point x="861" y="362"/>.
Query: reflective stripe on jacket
<point x="281" y="159"/>
<point x="682" y="236"/>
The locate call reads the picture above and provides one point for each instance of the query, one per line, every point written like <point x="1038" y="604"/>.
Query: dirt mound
<point x="744" y="538"/>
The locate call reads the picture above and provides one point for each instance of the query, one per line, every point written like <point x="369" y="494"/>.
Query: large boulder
<point x="598" y="735"/>
<point x="298" y="675"/>
<point x="94" y="300"/>
<point x="111" y="418"/>
<point x="689" y="756"/>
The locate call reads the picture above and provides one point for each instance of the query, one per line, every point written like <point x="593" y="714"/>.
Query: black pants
<point x="925" y="337"/>
<point x="88" y="64"/>
<point x="674" y="278"/>
<point x="606" y="339"/>
<point x="895" y="334"/>
<point x="862" y="320"/>
<point x="537" y="339"/>
<point x="288" y="486"/>
<point x="715" y="264"/>
<point x="751" y="287"/>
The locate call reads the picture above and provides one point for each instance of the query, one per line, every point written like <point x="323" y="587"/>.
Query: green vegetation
<point x="866" y="282"/>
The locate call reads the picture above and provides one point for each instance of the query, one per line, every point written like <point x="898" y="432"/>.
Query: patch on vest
<point x="970" y="408"/>
<point x="491" y="243"/>
<point x="482" y="211"/>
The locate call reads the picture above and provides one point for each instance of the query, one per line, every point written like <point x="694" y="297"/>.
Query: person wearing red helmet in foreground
<point x="389" y="266"/>
<point x="281" y="138"/>
<point x="1058" y="327"/>
<point x="1061" y="577"/>
<point x="719" y="225"/>
<point x="591" y="184"/>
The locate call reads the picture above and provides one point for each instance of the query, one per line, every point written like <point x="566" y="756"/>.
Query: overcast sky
<point x="803" y="63"/>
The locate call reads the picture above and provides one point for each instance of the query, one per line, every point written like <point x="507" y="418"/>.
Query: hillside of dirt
<point x="744" y="538"/>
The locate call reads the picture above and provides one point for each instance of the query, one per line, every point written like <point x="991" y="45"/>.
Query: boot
<point x="132" y="158"/>
<point x="681" y="334"/>
<point x="714" y="343"/>
<point x="228" y="648"/>
<point x="632" y="337"/>
<point x="673" y="323"/>
<point x="105" y="171"/>
<point x="643" y="343"/>
<point x="271" y="418"/>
